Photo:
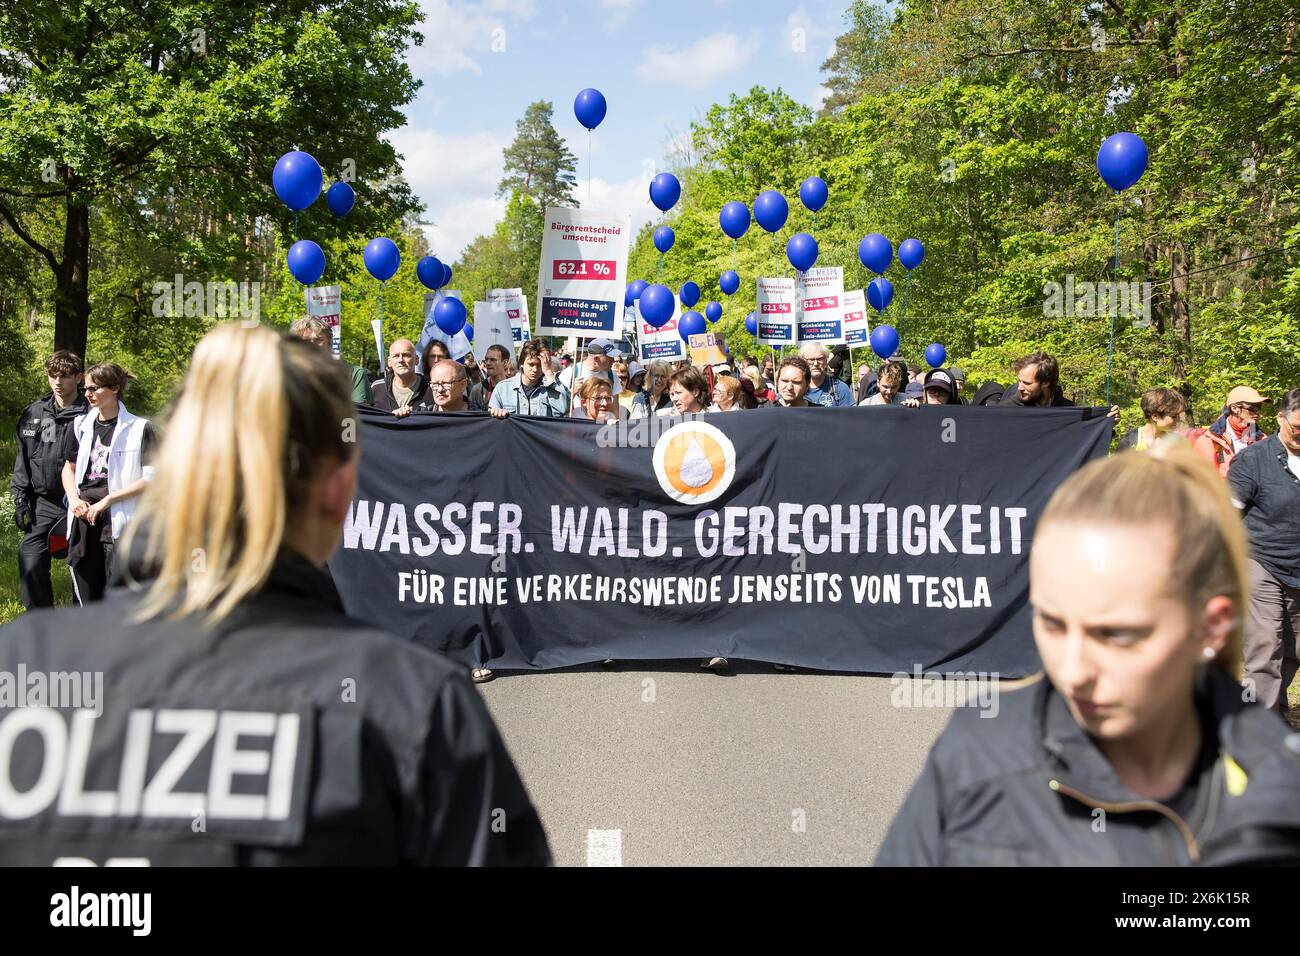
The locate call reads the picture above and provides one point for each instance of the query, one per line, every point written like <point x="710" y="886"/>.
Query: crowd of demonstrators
<point x="1235" y="429"/>
<point x="37" y="482"/>
<point x="313" y="330"/>
<point x="824" y="388"/>
<point x="1137" y="580"/>
<point x="262" y="630"/>
<point x="1264" y="480"/>
<point x="107" y="463"/>
<point x="403" y="389"/>
<point x="534" y="389"/>
<point x="1162" y="413"/>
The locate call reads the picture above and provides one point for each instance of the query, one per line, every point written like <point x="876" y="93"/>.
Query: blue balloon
<point x="729" y="282"/>
<point x="340" y="199"/>
<point x="664" y="238"/>
<point x="381" y="258"/>
<point x="446" y="276"/>
<point x="771" y="210"/>
<point x="875" y="252"/>
<point x="429" y="271"/>
<point x="935" y="354"/>
<point x="911" y="253"/>
<point x="656" y="304"/>
<point x="665" y="190"/>
<point x="880" y="292"/>
<point x="751" y="323"/>
<point x="734" y="219"/>
<point x="469" y="331"/>
<point x="628" y="297"/>
<point x="589" y="107"/>
<point x="297" y="179"/>
<point x="635" y="288"/>
<point x="1122" y="160"/>
<point x="306" y="261"/>
<point x="884" y="340"/>
<point x="713" y="311"/>
<point x="689" y="293"/>
<point x="801" y="250"/>
<point x="813" y="193"/>
<point x="691" y="323"/>
<point x="449" y="314"/>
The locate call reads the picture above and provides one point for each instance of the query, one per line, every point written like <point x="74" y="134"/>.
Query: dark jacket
<point x="1012" y="397"/>
<point x="341" y="744"/>
<point x="38" y="465"/>
<point x="421" y="400"/>
<point x="990" y="393"/>
<point x="1028" y="786"/>
<point x="1269" y="496"/>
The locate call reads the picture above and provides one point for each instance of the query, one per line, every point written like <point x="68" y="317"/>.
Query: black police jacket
<point x="1028" y="787"/>
<point x="290" y="734"/>
<point x="38" y="465"/>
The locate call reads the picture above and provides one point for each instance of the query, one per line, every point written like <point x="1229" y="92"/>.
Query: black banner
<point x="856" y="539"/>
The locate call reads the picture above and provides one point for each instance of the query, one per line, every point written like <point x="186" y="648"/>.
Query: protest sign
<point x="707" y="349"/>
<point x="516" y="306"/>
<point x="776" y="311"/>
<point x="457" y="344"/>
<point x="325" y="302"/>
<point x="492" y="327"/>
<point x="856" y="329"/>
<point x="664" y="342"/>
<point x="821" y="305"/>
<point x="580" y="279"/>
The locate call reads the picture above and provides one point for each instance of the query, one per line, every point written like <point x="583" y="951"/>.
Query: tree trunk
<point x="72" y="283"/>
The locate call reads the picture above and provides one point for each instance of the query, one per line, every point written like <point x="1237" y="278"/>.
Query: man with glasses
<point x="825" y="390"/>
<point x="1265" y="483"/>
<point x="37" y="481"/>
<point x="447" y="384"/>
<point x="1234" y="431"/>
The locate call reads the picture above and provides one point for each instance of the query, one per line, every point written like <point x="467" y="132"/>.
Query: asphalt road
<point x="696" y="768"/>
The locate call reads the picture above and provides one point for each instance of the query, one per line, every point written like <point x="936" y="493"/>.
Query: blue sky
<point x="659" y="64"/>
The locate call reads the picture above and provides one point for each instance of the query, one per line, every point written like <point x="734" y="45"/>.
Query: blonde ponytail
<point x="1173" y="487"/>
<point x="257" y="416"/>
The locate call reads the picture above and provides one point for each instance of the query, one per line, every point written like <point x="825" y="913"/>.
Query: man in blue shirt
<point x="534" y="390"/>
<point x="826" y="390"/>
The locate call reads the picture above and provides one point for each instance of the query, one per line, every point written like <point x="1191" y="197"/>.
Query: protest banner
<point x="457" y="344"/>
<point x="821" y="305"/>
<point x="857" y="332"/>
<point x="707" y="349"/>
<point x="516" y="306"/>
<point x="580" y="279"/>
<point x="325" y="302"/>
<point x="776" y="311"/>
<point x="721" y="535"/>
<point x="664" y="342"/>
<point x="492" y="327"/>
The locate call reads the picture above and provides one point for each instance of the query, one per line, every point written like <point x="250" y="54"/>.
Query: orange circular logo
<point x="694" y="462"/>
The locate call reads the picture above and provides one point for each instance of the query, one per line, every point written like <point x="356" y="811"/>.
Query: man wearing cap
<point x="1265" y="483"/>
<point x="1234" y="431"/>
<point x="599" y="361"/>
<point x="825" y="390"/>
<point x="938" y="388"/>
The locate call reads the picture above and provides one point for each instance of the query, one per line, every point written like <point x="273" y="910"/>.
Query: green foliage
<point x="975" y="129"/>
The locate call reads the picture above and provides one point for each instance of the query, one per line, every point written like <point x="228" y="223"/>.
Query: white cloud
<point x="819" y="97"/>
<point x="803" y="34"/>
<point x="456" y="33"/>
<point x="456" y="177"/>
<point x="620" y="12"/>
<point x="698" y="65"/>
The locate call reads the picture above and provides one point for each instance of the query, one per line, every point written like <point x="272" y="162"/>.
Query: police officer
<point x="1136" y="747"/>
<point x="228" y="711"/>
<point x="37" y="483"/>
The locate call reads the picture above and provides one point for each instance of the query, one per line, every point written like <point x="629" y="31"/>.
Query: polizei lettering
<point x="245" y="759"/>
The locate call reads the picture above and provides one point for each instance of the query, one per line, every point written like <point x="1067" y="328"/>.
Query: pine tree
<point x="539" y="164"/>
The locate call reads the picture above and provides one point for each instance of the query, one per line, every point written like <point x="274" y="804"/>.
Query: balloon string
<point x="907" y="277"/>
<point x="660" y="270"/>
<point x="1110" y="349"/>
<point x="814" y="225"/>
<point x="733" y="256"/>
<point x="588" y="167"/>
